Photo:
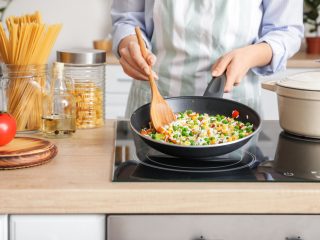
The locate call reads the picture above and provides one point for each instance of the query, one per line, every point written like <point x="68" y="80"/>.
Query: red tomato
<point x="235" y="114"/>
<point x="8" y="128"/>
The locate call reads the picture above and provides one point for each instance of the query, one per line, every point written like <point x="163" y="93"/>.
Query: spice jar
<point x="21" y="94"/>
<point x="87" y="69"/>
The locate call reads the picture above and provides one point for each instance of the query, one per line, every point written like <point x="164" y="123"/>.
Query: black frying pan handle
<point x="215" y="87"/>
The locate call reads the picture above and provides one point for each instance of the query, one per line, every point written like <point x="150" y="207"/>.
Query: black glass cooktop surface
<point x="272" y="156"/>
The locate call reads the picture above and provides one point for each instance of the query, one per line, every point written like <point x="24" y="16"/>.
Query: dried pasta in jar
<point x="89" y="104"/>
<point x="87" y="69"/>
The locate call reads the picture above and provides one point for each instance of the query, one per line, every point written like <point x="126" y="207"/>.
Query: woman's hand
<point x="238" y="62"/>
<point x="132" y="60"/>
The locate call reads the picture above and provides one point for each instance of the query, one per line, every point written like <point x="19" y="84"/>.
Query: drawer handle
<point x="124" y="79"/>
<point x="200" y="238"/>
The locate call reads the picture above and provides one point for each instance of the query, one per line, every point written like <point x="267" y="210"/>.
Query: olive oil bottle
<point x="59" y="107"/>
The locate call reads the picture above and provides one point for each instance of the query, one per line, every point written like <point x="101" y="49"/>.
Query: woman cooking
<point x="192" y="40"/>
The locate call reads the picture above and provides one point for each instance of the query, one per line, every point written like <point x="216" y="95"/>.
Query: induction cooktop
<point x="272" y="156"/>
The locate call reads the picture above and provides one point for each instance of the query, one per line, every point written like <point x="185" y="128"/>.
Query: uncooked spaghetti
<point x="25" y="51"/>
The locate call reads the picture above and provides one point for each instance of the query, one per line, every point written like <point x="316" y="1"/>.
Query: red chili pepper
<point x="235" y="114"/>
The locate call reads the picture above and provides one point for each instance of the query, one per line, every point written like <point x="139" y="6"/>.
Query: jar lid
<point x="81" y="56"/>
<point x="303" y="81"/>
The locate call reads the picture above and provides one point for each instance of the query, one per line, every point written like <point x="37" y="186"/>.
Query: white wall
<point x="83" y="20"/>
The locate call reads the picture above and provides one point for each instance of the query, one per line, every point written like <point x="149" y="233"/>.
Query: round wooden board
<point x="24" y="152"/>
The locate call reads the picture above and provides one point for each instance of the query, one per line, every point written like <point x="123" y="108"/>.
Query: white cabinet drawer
<point x="213" y="227"/>
<point x="116" y="99"/>
<point x="116" y="80"/>
<point x="115" y="105"/>
<point x="57" y="227"/>
<point x="4" y="227"/>
<point x="115" y="112"/>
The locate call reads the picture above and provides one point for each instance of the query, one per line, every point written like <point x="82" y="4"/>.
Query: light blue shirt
<point x="281" y="26"/>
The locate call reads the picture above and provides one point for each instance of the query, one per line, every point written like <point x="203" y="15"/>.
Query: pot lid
<point x="304" y="81"/>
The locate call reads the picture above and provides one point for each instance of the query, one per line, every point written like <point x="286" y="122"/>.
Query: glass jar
<point x="59" y="108"/>
<point x="87" y="69"/>
<point x="21" y="90"/>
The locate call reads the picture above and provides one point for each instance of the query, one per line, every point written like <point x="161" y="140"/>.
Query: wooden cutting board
<point x="24" y="152"/>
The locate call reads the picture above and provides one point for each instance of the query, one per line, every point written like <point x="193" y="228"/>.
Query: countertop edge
<point x="171" y="201"/>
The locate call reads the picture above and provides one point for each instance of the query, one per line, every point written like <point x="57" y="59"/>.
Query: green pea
<point x="159" y="136"/>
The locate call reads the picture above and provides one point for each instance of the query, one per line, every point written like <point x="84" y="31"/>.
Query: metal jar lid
<point x="81" y="56"/>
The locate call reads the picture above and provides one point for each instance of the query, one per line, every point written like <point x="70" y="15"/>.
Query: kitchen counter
<point x="304" y="60"/>
<point x="78" y="180"/>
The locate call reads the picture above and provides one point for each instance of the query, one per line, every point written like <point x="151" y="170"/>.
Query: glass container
<point x="87" y="69"/>
<point x="59" y="108"/>
<point x="21" y="94"/>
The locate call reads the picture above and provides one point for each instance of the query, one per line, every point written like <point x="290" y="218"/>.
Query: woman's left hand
<point x="238" y="62"/>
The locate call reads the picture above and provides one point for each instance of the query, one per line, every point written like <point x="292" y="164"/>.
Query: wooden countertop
<point x="304" y="60"/>
<point x="78" y="180"/>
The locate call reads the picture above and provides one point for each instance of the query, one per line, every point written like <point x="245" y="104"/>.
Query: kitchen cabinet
<point x="3" y="227"/>
<point x="54" y="227"/>
<point x="213" y="227"/>
<point x="117" y="91"/>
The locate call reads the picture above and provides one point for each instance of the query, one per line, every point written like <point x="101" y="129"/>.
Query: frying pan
<point x="210" y="103"/>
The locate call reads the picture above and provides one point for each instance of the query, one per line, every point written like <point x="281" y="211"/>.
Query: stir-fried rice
<point x="194" y="129"/>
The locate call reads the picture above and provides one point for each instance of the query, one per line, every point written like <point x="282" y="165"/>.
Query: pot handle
<point x="215" y="87"/>
<point x="269" y="85"/>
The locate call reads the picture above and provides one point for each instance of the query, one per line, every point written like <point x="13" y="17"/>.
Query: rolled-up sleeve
<point x="126" y="15"/>
<point x="282" y="28"/>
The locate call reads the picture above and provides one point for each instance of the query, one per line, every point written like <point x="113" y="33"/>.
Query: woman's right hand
<point x="132" y="61"/>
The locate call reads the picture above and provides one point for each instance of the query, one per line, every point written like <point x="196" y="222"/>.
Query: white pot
<point x="298" y="103"/>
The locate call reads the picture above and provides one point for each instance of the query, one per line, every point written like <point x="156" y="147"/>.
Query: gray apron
<point x="189" y="36"/>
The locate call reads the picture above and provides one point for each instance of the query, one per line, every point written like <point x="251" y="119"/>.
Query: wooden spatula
<point x="161" y="113"/>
